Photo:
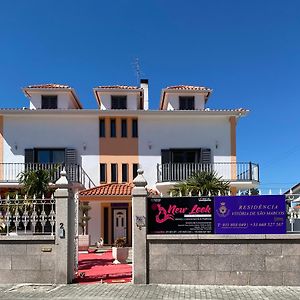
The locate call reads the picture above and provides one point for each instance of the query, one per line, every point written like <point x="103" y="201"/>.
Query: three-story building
<point x="102" y="148"/>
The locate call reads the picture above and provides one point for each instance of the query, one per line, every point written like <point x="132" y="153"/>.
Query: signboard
<point x="182" y="215"/>
<point x="250" y="214"/>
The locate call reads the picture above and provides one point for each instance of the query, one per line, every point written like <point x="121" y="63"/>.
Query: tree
<point x="203" y="183"/>
<point x="35" y="182"/>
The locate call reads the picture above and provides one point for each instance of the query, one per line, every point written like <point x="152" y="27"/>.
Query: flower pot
<point x="84" y="242"/>
<point x="120" y="255"/>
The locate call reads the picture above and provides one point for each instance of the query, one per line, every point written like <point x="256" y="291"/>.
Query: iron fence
<point x="11" y="172"/>
<point x="27" y="216"/>
<point x="235" y="171"/>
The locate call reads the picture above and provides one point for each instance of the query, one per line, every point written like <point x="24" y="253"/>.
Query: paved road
<point x="154" y="291"/>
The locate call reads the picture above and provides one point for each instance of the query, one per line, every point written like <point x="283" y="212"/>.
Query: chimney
<point x="144" y="86"/>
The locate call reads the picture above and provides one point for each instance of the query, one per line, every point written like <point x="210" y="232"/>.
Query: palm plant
<point x="204" y="183"/>
<point x="35" y="182"/>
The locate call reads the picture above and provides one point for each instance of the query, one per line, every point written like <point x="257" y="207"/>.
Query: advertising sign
<point x="250" y="214"/>
<point x="182" y="215"/>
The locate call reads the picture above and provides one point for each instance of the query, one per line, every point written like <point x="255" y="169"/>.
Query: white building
<point x="103" y="148"/>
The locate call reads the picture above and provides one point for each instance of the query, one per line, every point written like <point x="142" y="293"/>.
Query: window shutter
<point x="165" y="156"/>
<point x="70" y="161"/>
<point x="70" y="156"/>
<point x="29" y="156"/>
<point x="205" y="156"/>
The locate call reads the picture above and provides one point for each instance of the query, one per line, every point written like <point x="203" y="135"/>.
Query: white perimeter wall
<point x="166" y="132"/>
<point x="54" y="131"/>
<point x="95" y="221"/>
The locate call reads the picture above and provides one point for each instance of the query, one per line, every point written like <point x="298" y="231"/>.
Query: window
<point x="134" y="128"/>
<point x="118" y="102"/>
<point x="49" y="102"/>
<point x="124" y="128"/>
<point x="200" y="155"/>
<point x="187" y="103"/>
<point x="134" y="170"/>
<point x="102" y="128"/>
<point x="114" y="172"/>
<point x="124" y="172"/>
<point x="44" y="156"/>
<point x="102" y="172"/>
<point x="113" y="128"/>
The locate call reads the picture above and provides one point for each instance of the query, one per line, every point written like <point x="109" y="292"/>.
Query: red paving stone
<point x="99" y="267"/>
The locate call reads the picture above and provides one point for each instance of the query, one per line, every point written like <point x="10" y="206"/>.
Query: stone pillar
<point x="139" y="234"/>
<point x="64" y="244"/>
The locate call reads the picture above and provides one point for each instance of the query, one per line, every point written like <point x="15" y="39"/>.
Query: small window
<point x="102" y="172"/>
<point x="187" y="103"/>
<point x="124" y="128"/>
<point x="113" y="128"/>
<point x="114" y="173"/>
<point x="124" y="173"/>
<point x="134" y="170"/>
<point x="118" y="102"/>
<point x="134" y="128"/>
<point x="49" y="102"/>
<point x="102" y="128"/>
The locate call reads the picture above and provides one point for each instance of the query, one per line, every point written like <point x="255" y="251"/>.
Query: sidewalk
<point x="130" y="291"/>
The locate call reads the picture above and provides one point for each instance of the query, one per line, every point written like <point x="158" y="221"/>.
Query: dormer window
<point x="118" y="102"/>
<point x="49" y="102"/>
<point x="187" y="103"/>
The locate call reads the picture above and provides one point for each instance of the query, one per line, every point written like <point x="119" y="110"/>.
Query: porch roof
<point x="112" y="189"/>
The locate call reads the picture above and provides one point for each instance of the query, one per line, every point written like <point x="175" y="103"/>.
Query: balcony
<point x="240" y="174"/>
<point x="10" y="173"/>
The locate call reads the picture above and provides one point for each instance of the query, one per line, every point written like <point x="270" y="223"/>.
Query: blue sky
<point x="248" y="52"/>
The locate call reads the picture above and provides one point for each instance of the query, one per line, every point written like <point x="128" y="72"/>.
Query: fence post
<point x="139" y="234"/>
<point x="64" y="240"/>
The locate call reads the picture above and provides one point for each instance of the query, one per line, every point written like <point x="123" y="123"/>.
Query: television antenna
<point x="137" y="68"/>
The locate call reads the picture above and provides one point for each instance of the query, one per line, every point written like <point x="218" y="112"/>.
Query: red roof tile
<point x="122" y="87"/>
<point x="48" y="86"/>
<point x="188" y="87"/>
<point x="112" y="189"/>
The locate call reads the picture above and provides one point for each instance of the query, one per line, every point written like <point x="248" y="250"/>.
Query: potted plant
<point x="119" y="251"/>
<point x="84" y="238"/>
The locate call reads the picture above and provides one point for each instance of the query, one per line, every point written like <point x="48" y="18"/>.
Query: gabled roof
<point x="121" y="87"/>
<point x="115" y="88"/>
<point x="48" y="86"/>
<point x="188" y="88"/>
<point x="112" y="189"/>
<point x="183" y="88"/>
<point x="52" y="86"/>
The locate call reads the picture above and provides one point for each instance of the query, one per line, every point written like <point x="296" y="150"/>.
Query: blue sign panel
<point x="250" y="214"/>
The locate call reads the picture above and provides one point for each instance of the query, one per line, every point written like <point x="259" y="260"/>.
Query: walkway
<point x="130" y="291"/>
<point x="99" y="268"/>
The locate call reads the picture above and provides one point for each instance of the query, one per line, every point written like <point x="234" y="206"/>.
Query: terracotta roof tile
<point x="48" y="86"/>
<point x="112" y="189"/>
<point x="188" y="87"/>
<point x="121" y="87"/>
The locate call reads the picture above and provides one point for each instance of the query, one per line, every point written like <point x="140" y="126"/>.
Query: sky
<point x="248" y="52"/>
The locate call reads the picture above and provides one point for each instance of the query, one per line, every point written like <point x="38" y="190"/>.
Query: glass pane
<point x="43" y="156"/>
<point x="58" y="156"/>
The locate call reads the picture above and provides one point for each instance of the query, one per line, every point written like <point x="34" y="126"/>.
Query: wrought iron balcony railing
<point x="237" y="171"/>
<point x="10" y="172"/>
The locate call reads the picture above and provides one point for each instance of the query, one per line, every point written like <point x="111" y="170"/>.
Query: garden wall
<point x="224" y="259"/>
<point x="27" y="259"/>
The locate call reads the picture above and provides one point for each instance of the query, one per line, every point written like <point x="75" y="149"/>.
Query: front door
<point x="120" y="223"/>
